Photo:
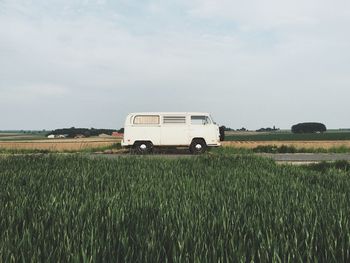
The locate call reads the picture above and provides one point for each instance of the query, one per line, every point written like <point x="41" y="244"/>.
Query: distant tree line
<point x="72" y="132"/>
<point x="309" y="127"/>
<point x="230" y="129"/>
<point x="305" y="127"/>
<point x="243" y="129"/>
<point x="268" y="129"/>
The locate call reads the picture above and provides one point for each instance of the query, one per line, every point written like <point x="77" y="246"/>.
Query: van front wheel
<point x="198" y="146"/>
<point x="143" y="147"/>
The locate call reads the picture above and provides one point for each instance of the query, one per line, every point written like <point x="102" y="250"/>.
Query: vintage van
<point x="145" y="130"/>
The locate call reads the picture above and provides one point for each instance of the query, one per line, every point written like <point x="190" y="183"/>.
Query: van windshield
<point x="200" y="120"/>
<point x="212" y="120"/>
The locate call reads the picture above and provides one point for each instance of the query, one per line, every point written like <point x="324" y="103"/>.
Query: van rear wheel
<point x="143" y="147"/>
<point x="198" y="146"/>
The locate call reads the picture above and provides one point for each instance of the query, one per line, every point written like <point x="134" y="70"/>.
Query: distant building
<point x="117" y="134"/>
<point x="79" y="136"/>
<point x="57" y="136"/>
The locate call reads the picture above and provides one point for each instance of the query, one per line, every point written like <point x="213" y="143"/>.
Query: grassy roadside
<point x="221" y="150"/>
<point x="288" y="136"/>
<point x="110" y="148"/>
<point x="278" y="149"/>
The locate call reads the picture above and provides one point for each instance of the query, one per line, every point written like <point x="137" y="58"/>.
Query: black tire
<point x="143" y="147"/>
<point x="198" y="146"/>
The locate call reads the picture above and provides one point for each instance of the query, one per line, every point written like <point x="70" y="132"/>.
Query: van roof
<point x="169" y="113"/>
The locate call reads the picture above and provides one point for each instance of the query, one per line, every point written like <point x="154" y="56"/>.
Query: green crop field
<point x="21" y="136"/>
<point x="212" y="208"/>
<point x="288" y="136"/>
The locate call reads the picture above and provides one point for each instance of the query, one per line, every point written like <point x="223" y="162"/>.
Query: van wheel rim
<point x="198" y="147"/>
<point x="143" y="147"/>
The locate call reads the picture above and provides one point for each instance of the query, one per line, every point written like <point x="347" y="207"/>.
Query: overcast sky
<point x="249" y="63"/>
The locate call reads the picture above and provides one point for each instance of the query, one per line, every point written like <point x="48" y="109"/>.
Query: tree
<point x="309" y="127"/>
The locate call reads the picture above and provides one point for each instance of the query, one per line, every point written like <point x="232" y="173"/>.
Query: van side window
<point x="146" y="119"/>
<point x="174" y="119"/>
<point x="199" y="120"/>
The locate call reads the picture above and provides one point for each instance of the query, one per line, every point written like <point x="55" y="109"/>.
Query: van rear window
<point x="174" y="119"/>
<point x="146" y="119"/>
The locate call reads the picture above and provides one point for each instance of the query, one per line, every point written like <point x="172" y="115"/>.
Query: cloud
<point x="33" y="92"/>
<point x="269" y="14"/>
<point x="248" y="63"/>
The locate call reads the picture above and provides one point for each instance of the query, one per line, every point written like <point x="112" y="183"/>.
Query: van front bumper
<point x="124" y="144"/>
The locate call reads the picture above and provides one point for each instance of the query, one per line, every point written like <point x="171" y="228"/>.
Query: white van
<point x="196" y="130"/>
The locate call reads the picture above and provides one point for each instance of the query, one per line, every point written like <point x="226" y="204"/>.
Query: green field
<point x="288" y="136"/>
<point x="22" y="136"/>
<point x="204" y="209"/>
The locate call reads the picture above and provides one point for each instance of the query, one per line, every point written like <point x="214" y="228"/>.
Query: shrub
<point x="222" y="133"/>
<point x="309" y="127"/>
<point x="275" y="149"/>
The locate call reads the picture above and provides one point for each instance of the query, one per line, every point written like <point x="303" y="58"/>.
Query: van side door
<point x="174" y="130"/>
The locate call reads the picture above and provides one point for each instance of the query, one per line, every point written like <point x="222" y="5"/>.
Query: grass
<point x="291" y="149"/>
<point x="281" y="136"/>
<point x="278" y="149"/>
<point x="115" y="146"/>
<point x="326" y="167"/>
<point x="203" y="209"/>
<point x="23" y="151"/>
<point x="21" y="136"/>
<point x="220" y="150"/>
